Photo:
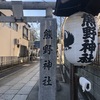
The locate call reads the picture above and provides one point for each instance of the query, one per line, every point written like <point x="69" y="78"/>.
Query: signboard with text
<point x="47" y="84"/>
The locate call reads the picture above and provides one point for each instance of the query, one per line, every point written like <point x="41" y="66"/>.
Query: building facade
<point x="14" y="37"/>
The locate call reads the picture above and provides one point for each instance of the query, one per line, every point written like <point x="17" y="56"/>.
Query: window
<point x="8" y="24"/>
<point x="25" y="32"/>
<point x="14" y="26"/>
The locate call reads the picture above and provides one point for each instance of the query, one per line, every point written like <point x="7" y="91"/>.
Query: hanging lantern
<point x="80" y="39"/>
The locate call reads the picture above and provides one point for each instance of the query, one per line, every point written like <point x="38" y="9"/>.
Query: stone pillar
<point x="48" y="37"/>
<point x="49" y="12"/>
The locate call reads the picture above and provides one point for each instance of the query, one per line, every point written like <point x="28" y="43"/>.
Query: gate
<point x="48" y="37"/>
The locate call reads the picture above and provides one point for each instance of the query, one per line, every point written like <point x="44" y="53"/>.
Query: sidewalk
<point x="62" y="94"/>
<point x="25" y="86"/>
<point x="21" y="86"/>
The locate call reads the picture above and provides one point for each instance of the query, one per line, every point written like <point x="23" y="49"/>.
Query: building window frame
<point x="25" y="33"/>
<point x="14" y="26"/>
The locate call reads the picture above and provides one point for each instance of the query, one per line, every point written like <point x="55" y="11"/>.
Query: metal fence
<point x="8" y="61"/>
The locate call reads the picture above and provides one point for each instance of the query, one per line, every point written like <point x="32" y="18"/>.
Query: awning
<point x="69" y="7"/>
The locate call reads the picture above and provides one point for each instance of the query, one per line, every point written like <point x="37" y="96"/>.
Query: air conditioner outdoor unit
<point x="16" y="41"/>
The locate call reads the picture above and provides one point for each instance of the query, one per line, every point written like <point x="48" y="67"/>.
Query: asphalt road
<point x="11" y="73"/>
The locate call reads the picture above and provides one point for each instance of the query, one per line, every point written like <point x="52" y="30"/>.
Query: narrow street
<point x="18" y="84"/>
